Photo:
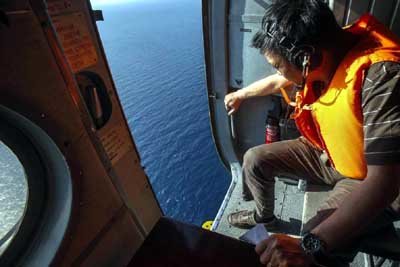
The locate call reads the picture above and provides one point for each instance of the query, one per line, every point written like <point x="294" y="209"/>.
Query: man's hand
<point x="266" y="86"/>
<point x="232" y="101"/>
<point x="282" y="251"/>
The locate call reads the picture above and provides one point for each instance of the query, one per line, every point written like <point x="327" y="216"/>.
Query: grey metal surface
<point x="252" y="115"/>
<point x="288" y="208"/>
<point x="246" y="63"/>
<point x="313" y="198"/>
<point x="215" y="48"/>
<point x="347" y="11"/>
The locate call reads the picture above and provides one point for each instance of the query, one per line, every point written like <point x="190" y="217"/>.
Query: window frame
<point x="49" y="202"/>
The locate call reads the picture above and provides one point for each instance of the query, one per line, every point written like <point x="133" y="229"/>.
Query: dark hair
<point x="304" y="23"/>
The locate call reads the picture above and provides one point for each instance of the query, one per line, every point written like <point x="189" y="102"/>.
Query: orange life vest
<point x="334" y="121"/>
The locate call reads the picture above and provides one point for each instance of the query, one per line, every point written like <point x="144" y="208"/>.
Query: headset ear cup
<point x="315" y="57"/>
<point x="316" y="60"/>
<point x="298" y="57"/>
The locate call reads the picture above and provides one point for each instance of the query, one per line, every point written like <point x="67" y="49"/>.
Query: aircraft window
<point x="39" y="197"/>
<point x="13" y="195"/>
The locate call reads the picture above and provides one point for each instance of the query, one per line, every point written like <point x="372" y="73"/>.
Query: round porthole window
<point x="35" y="193"/>
<point x="13" y="195"/>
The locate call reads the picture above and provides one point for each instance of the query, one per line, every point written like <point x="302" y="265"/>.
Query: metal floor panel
<point x="288" y="208"/>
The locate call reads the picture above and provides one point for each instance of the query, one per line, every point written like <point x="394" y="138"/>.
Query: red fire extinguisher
<point x="271" y="130"/>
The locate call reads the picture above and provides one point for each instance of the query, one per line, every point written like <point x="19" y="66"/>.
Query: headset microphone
<point x="306" y="67"/>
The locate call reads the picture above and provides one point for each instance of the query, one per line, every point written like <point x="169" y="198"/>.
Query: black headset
<point x="303" y="56"/>
<point x="298" y="54"/>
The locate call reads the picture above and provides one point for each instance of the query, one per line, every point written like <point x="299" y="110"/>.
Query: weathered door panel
<point x="43" y="47"/>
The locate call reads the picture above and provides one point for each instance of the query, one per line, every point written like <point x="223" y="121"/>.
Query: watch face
<point x="311" y="243"/>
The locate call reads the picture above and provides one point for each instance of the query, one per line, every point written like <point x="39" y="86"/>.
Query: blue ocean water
<point x="155" y="51"/>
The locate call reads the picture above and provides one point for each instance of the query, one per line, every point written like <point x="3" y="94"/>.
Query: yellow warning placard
<point x="58" y="6"/>
<point x="116" y="142"/>
<point x="75" y="38"/>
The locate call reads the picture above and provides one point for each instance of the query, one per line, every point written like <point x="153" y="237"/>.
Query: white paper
<point x="255" y="234"/>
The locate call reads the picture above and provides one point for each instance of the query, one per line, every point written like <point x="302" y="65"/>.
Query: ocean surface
<point x="155" y="51"/>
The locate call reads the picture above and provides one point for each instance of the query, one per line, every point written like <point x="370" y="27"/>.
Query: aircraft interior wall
<point x="54" y="73"/>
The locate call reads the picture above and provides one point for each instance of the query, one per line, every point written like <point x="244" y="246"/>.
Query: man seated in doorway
<point x="347" y="110"/>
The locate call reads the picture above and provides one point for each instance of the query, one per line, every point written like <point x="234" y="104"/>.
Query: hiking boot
<point x="246" y="219"/>
<point x="247" y="198"/>
<point x="242" y="219"/>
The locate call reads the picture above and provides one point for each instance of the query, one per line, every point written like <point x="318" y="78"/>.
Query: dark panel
<point x="383" y="12"/>
<point x="395" y="23"/>
<point x="119" y="233"/>
<point x="174" y="244"/>
<point x="138" y="189"/>
<point x="358" y="8"/>
<point x="339" y="9"/>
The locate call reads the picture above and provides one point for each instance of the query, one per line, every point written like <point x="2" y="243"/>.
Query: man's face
<point x="284" y="68"/>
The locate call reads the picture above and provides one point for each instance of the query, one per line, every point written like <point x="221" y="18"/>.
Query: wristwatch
<point x="313" y="246"/>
